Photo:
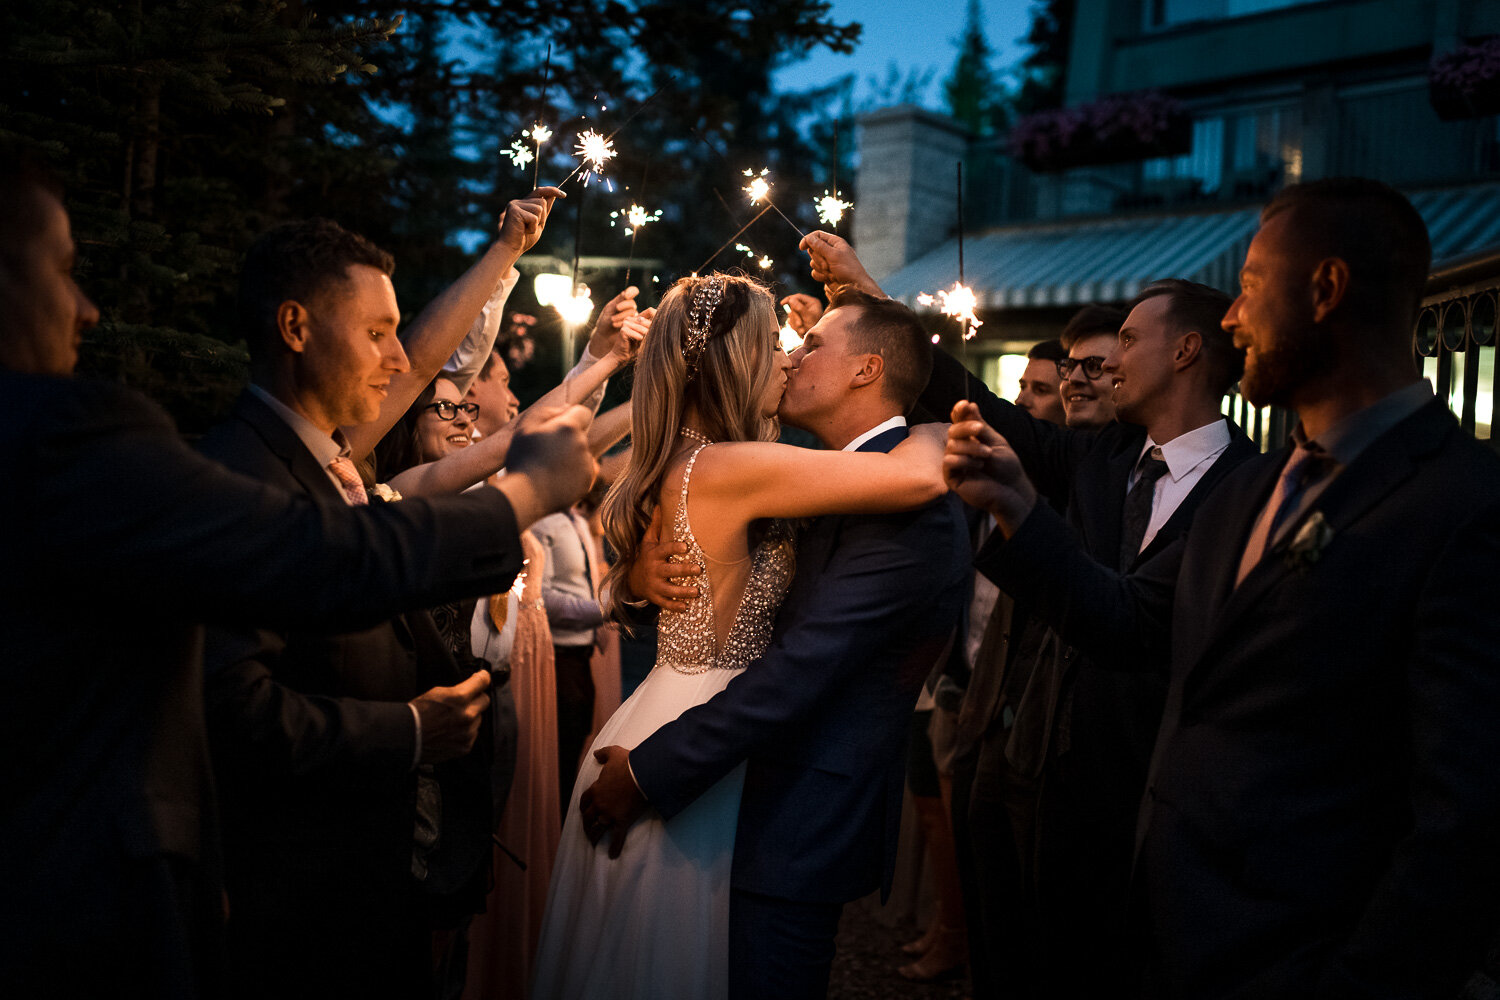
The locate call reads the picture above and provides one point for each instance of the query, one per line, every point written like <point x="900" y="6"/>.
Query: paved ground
<point x="869" y="952"/>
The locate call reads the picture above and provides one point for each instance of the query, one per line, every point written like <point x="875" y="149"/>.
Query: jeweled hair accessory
<point x="706" y="298"/>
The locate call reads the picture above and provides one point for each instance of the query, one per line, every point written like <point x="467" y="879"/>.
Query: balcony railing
<point x="1455" y="338"/>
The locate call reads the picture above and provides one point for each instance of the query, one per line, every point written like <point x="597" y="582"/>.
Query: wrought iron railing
<point x="1453" y="343"/>
<point x="1455" y="338"/>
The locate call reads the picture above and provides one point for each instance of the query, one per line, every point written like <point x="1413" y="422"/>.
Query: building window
<point x="1244" y="154"/>
<point x="1204" y="164"/>
<point x="1170" y="13"/>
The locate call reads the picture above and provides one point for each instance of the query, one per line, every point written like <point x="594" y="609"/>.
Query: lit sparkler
<point x="519" y="155"/>
<point x="759" y="189"/>
<point x="831" y="208"/>
<point x="636" y="217"/>
<point x="958" y="302"/>
<point x="595" y="151"/>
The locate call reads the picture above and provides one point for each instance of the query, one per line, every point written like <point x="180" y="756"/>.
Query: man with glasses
<point x="329" y="746"/>
<point x="1087" y="396"/>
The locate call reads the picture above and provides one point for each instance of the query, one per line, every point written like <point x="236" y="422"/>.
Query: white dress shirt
<point x="1188" y="456"/>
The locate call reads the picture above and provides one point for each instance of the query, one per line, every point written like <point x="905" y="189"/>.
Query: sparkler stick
<point x="731" y="240"/>
<point x="536" y="174"/>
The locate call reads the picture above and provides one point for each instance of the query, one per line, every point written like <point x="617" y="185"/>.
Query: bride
<point x="654" y="922"/>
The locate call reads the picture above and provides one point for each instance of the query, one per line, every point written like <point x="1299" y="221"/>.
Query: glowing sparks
<point x="594" y="150"/>
<point x="759" y="189"/>
<point x="958" y="302"/>
<point x="538" y="133"/>
<point x="790" y="339"/>
<point x="766" y="263"/>
<point x="635" y="217"/>
<point x="831" y="208"/>
<point x="576" y="310"/>
<point x="519" y="155"/>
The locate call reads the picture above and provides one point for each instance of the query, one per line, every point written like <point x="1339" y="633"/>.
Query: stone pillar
<point x="904" y="197"/>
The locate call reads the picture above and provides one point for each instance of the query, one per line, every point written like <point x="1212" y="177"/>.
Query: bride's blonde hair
<point x="723" y="380"/>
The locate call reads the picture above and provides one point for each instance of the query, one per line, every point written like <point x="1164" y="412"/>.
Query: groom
<point x="823" y="717"/>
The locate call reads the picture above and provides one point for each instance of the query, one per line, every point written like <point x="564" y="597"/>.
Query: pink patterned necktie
<point x="1308" y="463"/>
<point x="354" y="488"/>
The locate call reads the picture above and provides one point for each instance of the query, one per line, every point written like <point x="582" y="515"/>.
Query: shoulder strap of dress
<point x="681" y="519"/>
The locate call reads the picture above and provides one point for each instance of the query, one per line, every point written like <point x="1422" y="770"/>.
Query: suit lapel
<point x="284" y="443"/>
<point x="1100" y="498"/>
<point x="1240" y="449"/>
<point x="1379" y="469"/>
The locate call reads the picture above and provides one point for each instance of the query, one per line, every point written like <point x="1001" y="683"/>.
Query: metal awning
<point x="1073" y="263"/>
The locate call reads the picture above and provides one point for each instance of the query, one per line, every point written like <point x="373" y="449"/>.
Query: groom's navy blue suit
<point x="822" y="719"/>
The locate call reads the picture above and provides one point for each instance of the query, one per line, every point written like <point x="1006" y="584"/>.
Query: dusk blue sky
<point x="913" y="35"/>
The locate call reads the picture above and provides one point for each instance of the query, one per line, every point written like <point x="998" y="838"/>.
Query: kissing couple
<point x="752" y="784"/>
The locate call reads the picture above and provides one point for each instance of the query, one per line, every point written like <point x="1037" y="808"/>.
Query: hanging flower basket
<point x="1120" y="128"/>
<point x="1465" y="83"/>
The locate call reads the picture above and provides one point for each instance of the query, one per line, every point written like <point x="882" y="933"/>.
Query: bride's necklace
<point x="696" y="435"/>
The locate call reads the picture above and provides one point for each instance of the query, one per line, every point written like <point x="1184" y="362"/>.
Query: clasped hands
<point x="982" y="468"/>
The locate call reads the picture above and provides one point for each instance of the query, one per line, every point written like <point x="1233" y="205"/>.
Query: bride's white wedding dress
<point x="655" y="921"/>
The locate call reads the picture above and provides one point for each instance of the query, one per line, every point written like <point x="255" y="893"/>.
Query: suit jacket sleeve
<point x="879" y="580"/>
<point x="1048" y="453"/>
<point x="279" y="730"/>
<point x="1434" y="908"/>
<point x="1118" y="619"/>
<point x="116" y="498"/>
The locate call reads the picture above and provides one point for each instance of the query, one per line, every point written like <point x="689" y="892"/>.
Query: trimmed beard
<point x="1272" y="377"/>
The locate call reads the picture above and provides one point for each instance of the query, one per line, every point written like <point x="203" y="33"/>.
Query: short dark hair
<point x="296" y="261"/>
<point x="1375" y="230"/>
<point x="1200" y="309"/>
<point x="1090" y="321"/>
<point x="24" y="181"/>
<point x="1047" y="350"/>
<point x="891" y="330"/>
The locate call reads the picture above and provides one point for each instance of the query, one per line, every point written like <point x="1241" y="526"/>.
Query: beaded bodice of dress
<point x="688" y="640"/>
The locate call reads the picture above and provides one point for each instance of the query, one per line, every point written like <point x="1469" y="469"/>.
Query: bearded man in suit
<point x="1322" y="808"/>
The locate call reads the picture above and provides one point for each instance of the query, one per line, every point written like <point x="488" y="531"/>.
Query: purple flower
<point x="1468" y="69"/>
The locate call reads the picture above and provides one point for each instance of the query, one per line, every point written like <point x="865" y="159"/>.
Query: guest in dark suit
<point x="823" y="717"/>
<point x="1076" y="752"/>
<point x="123" y="541"/>
<point x="1322" y="811"/>
<point x="1001" y="929"/>
<point x="333" y="749"/>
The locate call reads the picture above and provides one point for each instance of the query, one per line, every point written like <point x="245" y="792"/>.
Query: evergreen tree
<point x="148" y="111"/>
<point x="1043" y="71"/>
<point x="975" y="96"/>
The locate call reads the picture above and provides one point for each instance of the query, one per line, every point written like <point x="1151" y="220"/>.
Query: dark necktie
<point x="1138" y="506"/>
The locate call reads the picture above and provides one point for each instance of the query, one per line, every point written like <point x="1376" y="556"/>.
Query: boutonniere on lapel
<point x="1307" y="545"/>
<point x="381" y="493"/>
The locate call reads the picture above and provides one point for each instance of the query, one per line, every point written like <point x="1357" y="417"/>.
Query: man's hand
<point x="802" y="311"/>
<point x="613" y="802"/>
<point x="653" y="574"/>
<point x="981" y="468"/>
<point x="835" y="264"/>
<point x="523" y="220"/>
<point x="611" y="320"/>
<point x="451" y="716"/>
<point x="550" y="467"/>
